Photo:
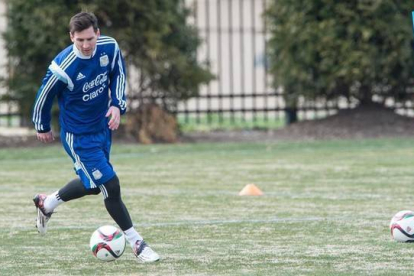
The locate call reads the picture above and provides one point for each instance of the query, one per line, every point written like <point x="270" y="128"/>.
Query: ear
<point x="72" y="37"/>
<point x="98" y="32"/>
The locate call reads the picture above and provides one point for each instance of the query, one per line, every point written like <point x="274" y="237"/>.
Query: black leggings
<point x="111" y="191"/>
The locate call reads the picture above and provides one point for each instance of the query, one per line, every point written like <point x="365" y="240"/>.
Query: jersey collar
<point x="82" y="56"/>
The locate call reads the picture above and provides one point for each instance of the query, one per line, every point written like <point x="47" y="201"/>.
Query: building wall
<point x="233" y="34"/>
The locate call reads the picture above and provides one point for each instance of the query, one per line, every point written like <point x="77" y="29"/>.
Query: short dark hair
<point x="82" y="21"/>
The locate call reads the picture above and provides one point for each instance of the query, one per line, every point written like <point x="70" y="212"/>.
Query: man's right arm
<point x="41" y="118"/>
<point x="45" y="137"/>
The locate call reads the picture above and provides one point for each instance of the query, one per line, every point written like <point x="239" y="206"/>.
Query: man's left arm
<point x="118" y="81"/>
<point x="117" y="88"/>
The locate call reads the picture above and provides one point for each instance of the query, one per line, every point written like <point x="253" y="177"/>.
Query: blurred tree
<point x="158" y="45"/>
<point x="327" y="49"/>
<point x="36" y="32"/>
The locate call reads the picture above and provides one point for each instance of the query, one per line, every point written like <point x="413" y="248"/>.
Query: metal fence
<point x="235" y="45"/>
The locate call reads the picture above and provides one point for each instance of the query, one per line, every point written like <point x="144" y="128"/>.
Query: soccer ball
<point x="402" y="226"/>
<point x="107" y="243"/>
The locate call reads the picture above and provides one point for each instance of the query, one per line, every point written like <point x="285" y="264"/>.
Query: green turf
<point x="214" y="122"/>
<point x="325" y="210"/>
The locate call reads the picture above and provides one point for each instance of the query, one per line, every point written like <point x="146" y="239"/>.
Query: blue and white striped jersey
<point x="85" y="88"/>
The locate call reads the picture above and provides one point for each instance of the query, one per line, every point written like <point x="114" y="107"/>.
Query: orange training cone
<point x="251" y="190"/>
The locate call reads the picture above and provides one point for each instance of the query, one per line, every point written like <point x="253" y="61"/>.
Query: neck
<point x="82" y="56"/>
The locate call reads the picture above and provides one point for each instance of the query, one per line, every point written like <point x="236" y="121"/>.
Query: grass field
<point x="215" y="121"/>
<point x="325" y="210"/>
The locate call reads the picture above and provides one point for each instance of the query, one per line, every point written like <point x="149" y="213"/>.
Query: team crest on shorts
<point x="104" y="60"/>
<point x="97" y="174"/>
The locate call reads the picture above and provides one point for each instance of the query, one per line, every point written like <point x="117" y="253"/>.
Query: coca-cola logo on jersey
<point x="99" y="80"/>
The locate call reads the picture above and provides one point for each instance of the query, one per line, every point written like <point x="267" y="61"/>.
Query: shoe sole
<point x="147" y="261"/>
<point x="40" y="220"/>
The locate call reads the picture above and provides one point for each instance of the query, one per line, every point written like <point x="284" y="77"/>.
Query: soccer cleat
<point x="144" y="253"/>
<point x="42" y="216"/>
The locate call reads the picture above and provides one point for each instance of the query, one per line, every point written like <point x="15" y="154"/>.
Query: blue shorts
<point x="90" y="155"/>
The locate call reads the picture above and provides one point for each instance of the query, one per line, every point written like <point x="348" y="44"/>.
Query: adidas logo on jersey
<point x="80" y="76"/>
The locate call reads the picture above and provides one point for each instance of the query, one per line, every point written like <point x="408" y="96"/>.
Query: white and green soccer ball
<point x="402" y="226"/>
<point x="107" y="243"/>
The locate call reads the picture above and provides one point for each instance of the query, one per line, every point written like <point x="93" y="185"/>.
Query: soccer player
<point x="88" y="78"/>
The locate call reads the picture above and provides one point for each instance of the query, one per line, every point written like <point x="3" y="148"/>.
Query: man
<point x="88" y="79"/>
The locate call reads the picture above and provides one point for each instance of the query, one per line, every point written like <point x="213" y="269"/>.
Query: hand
<point x="45" y="137"/>
<point x="115" y="115"/>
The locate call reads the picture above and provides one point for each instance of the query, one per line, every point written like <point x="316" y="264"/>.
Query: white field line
<point x="188" y="223"/>
<point x="232" y="221"/>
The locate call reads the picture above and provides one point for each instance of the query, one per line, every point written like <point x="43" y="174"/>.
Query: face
<point x="85" y="41"/>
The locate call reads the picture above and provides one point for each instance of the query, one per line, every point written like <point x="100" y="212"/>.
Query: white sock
<point x="132" y="236"/>
<point x="52" y="201"/>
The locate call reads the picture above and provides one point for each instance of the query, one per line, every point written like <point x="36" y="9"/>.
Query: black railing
<point x="235" y="45"/>
<point x="233" y="32"/>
